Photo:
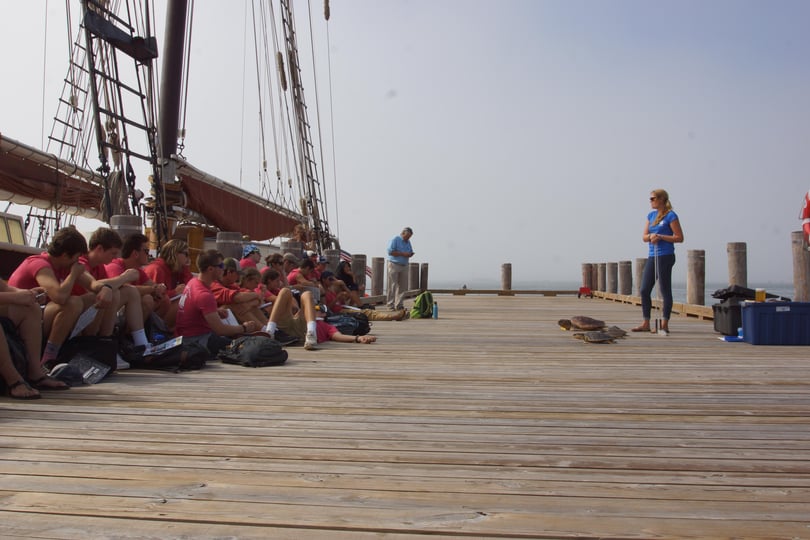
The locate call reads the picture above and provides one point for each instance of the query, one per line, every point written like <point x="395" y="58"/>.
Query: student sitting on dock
<point x="56" y="272"/>
<point x="135" y="255"/>
<point x="198" y="317"/>
<point x="337" y="295"/>
<point x="171" y="268"/>
<point x="243" y="303"/>
<point x="302" y="279"/>
<point x="21" y="308"/>
<point x="108" y="294"/>
<point x="301" y="323"/>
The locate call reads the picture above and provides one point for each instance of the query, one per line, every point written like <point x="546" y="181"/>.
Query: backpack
<point x="184" y="357"/>
<point x="422" y="306"/>
<point x="94" y="357"/>
<point x="253" y="351"/>
<point x="16" y="347"/>
<point x="351" y="324"/>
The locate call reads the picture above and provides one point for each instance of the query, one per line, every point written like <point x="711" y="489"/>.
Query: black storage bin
<point x="728" y="316"/>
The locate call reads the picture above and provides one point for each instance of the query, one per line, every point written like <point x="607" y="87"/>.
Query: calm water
<point x="678" y="289"/>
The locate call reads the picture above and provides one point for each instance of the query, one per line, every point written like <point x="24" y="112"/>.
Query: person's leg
<point x="59" y="322"/>
<point x="28" y="320"/>
<point x="130" y="299"/>
<point x="308" y="309"/>
<point x="147" y="306"/>
<point x="391" y="285"/>
<point x="645" y="290"/>
<point x="15" y="383"/>
<point x="402" y="286"/>
<point x="665" y="264"/>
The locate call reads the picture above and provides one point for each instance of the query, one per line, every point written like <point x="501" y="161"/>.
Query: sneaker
<point x="663" y="332"/>
<point x="121" y="363"/>
<point x="310" y="341"/>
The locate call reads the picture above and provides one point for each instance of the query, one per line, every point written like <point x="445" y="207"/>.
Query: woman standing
<point x="662" y="231"/>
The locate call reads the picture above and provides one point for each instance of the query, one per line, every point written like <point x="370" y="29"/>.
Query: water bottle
<point x="435" y="310"/>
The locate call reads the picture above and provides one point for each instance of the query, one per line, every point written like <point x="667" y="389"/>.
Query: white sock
<point x="312" y="327"/>
<point x="271" y="327"/>
<point x="139" y="337"/>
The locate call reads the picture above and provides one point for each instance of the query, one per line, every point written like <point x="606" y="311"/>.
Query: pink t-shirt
<point x="25" y="276"/>
<point x="117" y="267"/>
<point x="196" y="302"/>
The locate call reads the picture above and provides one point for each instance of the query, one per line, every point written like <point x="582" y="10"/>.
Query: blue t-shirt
<point x="397" y="243"/>
<point x="664" y="227"/>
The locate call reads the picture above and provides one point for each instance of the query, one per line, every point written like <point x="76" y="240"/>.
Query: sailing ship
<point x="112" y="120"/>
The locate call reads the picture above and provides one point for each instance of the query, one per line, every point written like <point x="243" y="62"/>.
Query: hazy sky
<point x="520" y="131"/>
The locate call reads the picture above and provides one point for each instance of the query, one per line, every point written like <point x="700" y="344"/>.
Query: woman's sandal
<point x="19" y="383"/>
<point x="46" y="382"/>
<point x="640" y="329"/>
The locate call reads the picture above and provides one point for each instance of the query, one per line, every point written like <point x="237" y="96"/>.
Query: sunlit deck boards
<point x="490" y="422"/>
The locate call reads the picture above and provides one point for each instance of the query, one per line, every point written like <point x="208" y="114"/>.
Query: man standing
<point x="399" y="251"/>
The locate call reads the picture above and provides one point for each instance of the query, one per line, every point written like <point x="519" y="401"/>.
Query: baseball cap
<point x="232" y="264"/>
<point x="250" y="248"/>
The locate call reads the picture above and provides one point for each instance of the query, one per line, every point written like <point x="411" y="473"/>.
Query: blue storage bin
<point x="776" y="323"/>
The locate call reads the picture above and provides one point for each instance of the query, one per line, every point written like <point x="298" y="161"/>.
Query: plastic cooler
<point x="776" y="323"/>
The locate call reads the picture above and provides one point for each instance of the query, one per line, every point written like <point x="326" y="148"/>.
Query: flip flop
<point x="640" y="329"/>
<point x="21" y="382"/>
<point x="39" y="384"/>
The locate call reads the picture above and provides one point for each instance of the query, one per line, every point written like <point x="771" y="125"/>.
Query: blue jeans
<point x="665" y="264"/>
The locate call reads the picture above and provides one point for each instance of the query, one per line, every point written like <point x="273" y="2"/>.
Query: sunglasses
<point x="653" y="198"/>
<point x="221" y="266"/>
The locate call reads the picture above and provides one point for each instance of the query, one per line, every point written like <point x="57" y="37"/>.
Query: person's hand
<point x="130" y="275"/>
<point x="251" y="326"/>
<point x="368" y="338"/>
<point x="24" y="297"/>
<point x="76" y="270"/>
<point x="104" y="297"/>
<point x="179" y="289"/>
<point x="222" y="312"/>
<point x="158" y="290"/>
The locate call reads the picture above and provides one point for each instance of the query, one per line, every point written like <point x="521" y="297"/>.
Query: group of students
<point x="93" y="287"/>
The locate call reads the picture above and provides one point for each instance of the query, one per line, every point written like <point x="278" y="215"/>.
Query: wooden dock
<point x="490" y="422"/>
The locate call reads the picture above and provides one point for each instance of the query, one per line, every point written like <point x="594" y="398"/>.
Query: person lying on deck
<point x="303" y="324"/>
<point x="21" y="309"/>
<point x="337" y="295"/>
<point x="198" y="317"/>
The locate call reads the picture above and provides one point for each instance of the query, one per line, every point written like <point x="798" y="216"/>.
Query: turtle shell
<point x="582" y="322"/>
<point x="597" y="336"/>
<point x="616" y="332"/>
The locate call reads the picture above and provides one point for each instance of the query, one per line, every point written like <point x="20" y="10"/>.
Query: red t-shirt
<point x="330" y="299"/>
<point x="247" y="262"/>
<point x="325" y="331"/>
<point x="98" y="272"/>
<point x="117" y="267"/>
<point x="159" y="272"/>
<point x="196" y="302"/>
<point x="224" y="293"/>
<point x="25" y="276"/>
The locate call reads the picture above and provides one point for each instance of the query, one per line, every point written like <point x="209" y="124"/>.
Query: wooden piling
<point x="612" y="277"/>
<point x="230" y="244"/>
<point x="587" y="273"/>
<point x="696" y="277"/>
<point x="377" y="276"/>
<point x="640" y="264"/>
<point x="625" y="277"/>
<point x="594" y="276"/>
<point x="506" y="277"/>
<point x="423" y="277"/>
<point x="332" y="258"/>
<point x="601" y="272"/>
<point x="737" y="264"/>
<point x="413" y="276"/>
<point x="359" y="269"/>
<point x="801" y="267"/>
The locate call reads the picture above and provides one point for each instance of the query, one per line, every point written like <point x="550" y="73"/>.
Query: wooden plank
<point x="489" y="422"/>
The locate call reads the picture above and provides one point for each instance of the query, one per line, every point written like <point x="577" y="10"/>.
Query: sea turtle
<point x="594" y="336"/>
<point x="616" y="332"/>
<point x="581" y="322"/>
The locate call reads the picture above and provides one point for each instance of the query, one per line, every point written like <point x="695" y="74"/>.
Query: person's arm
<point x="20" y="297"/>
<point x="343" y="338"/>
<point x="59" y="293"/>
<point x="221" y="329"/>
<point x="645" y="236"/>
